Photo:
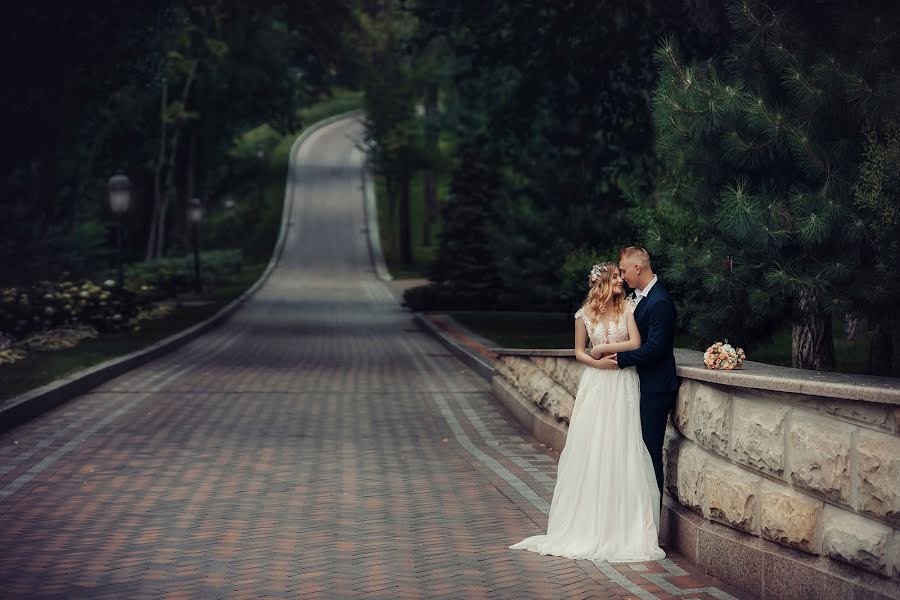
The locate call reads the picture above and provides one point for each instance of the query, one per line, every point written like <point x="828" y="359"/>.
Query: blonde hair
<point x="601" y="292"/>
<point x="636" y="252"/>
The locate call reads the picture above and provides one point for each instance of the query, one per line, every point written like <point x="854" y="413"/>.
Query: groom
<point x="655" y="317"/>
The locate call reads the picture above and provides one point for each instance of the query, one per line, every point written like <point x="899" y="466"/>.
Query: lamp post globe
<point x="118" y="190"/>
<point x="195" y="211"/>
<point x="195" y="216"/>
<point x="230" y="206"/>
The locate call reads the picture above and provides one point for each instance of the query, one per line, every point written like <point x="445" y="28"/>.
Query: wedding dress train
<point x="606" y="502"/>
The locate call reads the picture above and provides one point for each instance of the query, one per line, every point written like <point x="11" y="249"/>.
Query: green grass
<point x="41" y="368"/>
<point x="555" y="330"/>
<point x="388" y="225"/>
<point x="520" y="329"/>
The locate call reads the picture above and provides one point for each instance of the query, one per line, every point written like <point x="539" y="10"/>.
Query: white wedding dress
<point x="606" y="502"/>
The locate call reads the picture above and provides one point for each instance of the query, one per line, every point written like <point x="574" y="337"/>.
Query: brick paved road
<point x="316" y="446"/>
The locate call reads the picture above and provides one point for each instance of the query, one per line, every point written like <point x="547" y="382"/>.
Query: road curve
<point x="316" y="445"/>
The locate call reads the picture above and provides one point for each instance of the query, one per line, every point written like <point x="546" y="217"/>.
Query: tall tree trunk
<point x="390" y="213"/>
<point x="169" y="189"/>
<point x="854" y="325"/>
<point x="157" y="174"/>
<point x="190" y="186"/>
<point x="431" y="204"/>
<point x="431" y="174"/>
<point x="812" y="346"/>
<point x="405" y="230"/>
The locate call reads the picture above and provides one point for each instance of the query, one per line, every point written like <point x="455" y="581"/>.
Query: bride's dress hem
<point x="534" y="545"/>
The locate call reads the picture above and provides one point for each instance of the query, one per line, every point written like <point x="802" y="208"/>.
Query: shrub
<point x="48" y="305"/>
<point x="173" y="275"/>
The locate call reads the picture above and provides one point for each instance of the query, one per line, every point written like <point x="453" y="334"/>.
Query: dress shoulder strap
<point x="630" y="305"/>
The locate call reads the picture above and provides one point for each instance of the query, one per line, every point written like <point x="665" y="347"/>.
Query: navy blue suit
<point x="655" y="316"/>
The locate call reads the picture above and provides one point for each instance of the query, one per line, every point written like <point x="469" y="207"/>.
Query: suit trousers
<point x="655" y="409"/>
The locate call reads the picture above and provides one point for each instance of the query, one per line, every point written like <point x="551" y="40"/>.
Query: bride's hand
<point x="597" y="352"/>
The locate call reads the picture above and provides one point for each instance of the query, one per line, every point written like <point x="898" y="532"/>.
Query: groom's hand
<point x="608" y="362"/>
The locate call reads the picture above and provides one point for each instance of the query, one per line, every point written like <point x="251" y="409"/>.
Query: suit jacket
<point x="655" y="316"/>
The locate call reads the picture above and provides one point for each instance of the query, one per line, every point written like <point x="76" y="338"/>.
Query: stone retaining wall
<point x="817" y="471"/>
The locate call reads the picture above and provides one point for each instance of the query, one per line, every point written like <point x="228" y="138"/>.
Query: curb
<point x="472" y="360"/>
<point x="31" y="404"/>
<point x="543" y="427"/>
<point x="376" y="255"/>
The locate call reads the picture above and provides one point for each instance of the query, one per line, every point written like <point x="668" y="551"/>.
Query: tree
<point x="762" y="146"/>
<point x="393" y="133"/>
<point x="559" y="93"/>
<point x="877" y="198"/>
<point x="73" y="116"/>
<point x="466" y="268"/>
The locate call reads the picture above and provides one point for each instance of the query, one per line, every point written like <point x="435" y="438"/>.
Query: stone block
<point x="877" y="415"/>
<point x="711" y="417"/>
<point x="789" y="518"/>
<point x="681" y="414"/>
<point x="856" y="540"/>
<point x="820" y="455"/>
<point x="879" y="475"/>
<point x="758" y="433"/>
<point x="535" y="385"/>
<point x="690" y="487"/>
<point x="558" y="402"/>
<point x="565" y="371"/>
<point x="731" y="494"/>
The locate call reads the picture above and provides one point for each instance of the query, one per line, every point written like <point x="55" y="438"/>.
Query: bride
<point x="606" y="502"/>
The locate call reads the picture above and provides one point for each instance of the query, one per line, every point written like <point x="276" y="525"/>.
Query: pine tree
<point x="762" y="148"/>
<point x="466" y="273"/>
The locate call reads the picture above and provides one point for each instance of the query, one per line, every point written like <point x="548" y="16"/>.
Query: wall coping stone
<point x="866" y="388"/>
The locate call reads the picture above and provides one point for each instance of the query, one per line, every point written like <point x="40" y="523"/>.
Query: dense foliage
<point x="159" y="90"/>
<point x="751" y="146"/>
<point x="465" y="273"/>
<point x="762" y="146"/>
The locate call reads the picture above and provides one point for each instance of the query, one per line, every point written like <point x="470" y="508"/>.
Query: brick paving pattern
<point x="317" y="445"/>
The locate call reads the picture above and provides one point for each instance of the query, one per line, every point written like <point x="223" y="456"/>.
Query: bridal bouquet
<point x="723" y="356"/>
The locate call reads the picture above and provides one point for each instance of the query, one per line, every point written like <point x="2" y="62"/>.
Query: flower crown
<point x="596" y="271"/>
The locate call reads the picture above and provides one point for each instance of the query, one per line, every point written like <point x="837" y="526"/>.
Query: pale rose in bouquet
<point x="723" y="356"/>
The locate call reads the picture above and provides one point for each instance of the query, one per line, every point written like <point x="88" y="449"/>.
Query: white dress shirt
<point x="641" y="294"/>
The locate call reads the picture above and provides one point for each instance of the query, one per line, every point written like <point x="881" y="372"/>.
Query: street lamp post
<point x="230" y="207"/>
<point x="119" y="190"/>
<point x="195" y="215"/>
<point x="260" y="154"/>
<point x="231" y="213"/>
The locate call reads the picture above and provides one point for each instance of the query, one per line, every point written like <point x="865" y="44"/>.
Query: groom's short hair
<point x="636" y="253"/>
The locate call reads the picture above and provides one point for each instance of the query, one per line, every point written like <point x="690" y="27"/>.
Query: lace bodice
<point x="610" y="332"/>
